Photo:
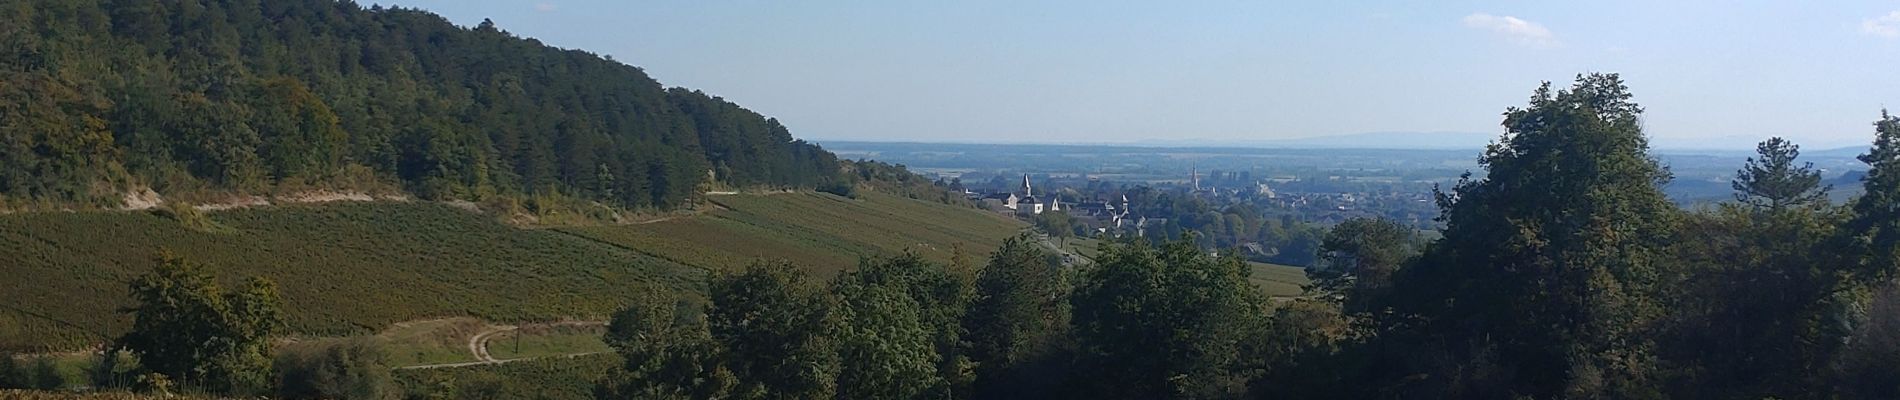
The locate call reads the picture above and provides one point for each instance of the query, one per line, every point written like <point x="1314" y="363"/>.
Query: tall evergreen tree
<point x="1875" y="226"/>
<point x="1773" y="181"/>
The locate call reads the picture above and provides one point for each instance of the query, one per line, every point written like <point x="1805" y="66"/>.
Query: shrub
<point x="355" y="368"/>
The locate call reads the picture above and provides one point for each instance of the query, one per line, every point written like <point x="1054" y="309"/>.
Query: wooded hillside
<point x="98" y="97"/>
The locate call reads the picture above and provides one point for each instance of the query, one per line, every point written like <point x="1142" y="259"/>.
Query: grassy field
<point x="819" y="232"/>
<point x="1278" y="280"/>
<point x="344" y="268"/>
<point x="437" y="341"/>
<point x="532" y="341"/>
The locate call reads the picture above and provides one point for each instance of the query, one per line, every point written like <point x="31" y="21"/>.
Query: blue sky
<point x="1712" y="74"/>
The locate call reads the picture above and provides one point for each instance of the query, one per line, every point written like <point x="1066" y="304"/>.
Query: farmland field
<point x="819" y="232"/>
<point x="1278" y="280"/>
<point x="342" y="268"/>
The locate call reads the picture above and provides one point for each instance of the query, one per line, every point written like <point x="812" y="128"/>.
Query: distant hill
<point x="1850" y="151"/>
<point x="229" y="97"/>
<point x="1393" y="140"/>
<point x="1370" y="140"/>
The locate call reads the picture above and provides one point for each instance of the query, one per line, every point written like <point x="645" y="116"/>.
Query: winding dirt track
<point x="478" y="346"/>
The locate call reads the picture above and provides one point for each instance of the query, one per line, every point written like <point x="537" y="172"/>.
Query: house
<point x="1030" y="205"/>
<point x="1000" y="201"/>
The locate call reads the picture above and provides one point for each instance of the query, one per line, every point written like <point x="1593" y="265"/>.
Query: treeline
<point x="1144" y="322"/>
<point x="98" y="97"/>
<point x="1564" y="272"/>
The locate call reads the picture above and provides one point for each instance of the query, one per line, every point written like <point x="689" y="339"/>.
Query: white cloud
<point x="1887" y="26"/>
<point x="544" y="7"/>
<point x="1517" y="30"/>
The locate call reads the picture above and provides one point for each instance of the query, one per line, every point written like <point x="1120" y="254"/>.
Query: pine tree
<point x="1771" y="180"/>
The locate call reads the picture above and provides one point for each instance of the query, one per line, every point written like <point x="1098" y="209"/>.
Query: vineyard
<point x="820" y="232"/>
<point x="342" y="268"/>
<point x="356" y="268"/>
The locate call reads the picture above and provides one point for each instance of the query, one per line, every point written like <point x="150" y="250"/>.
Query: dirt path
<point x="478" y="346"/>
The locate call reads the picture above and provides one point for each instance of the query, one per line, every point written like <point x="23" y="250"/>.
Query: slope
<point x="820" y="232"/>
<point x="342" y="268"/>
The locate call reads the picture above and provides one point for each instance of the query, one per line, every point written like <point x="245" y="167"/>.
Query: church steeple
<point x="1026" y="191"/>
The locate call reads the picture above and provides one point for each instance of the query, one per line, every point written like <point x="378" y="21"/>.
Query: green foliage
<point x="897" y="180"/>
<point x="1874" y="229"/>
<point x="883" y="343"/>
<point x="1772" y="181"/>
<point x="778" y="333"/>
<point x="36" y="373"/>
<point x="244" y="97"/>
<point x="1867" y="367"/>
<point x="1360" y="256"/>
<point x="349" y="268"/>
<point x="188" y="328"/>
<point x="1751" y="316"/>
<point x="666" y="351"/>
<point x="356" y="368"/>
<point x="900" y="329"/>
<point x="1056" y="224"/>
<point x="1305" y="352"/>
<point x="1017" y="322"/>
<point x="1549" y="264"/>
<point x="1165" y="322"/>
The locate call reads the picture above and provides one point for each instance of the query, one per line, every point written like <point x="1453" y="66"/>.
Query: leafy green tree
<point x="1544" y="283"/>
<point x="356" y="368"/>
<point x="1056" y="224"/>
<point x="1359" y="258"/>
<point x="189" y="329"/>
<point x="667" y="353"/>
<point x="1773" y="181"/>
<point x="1016" y="323"/>
<point x="1304" y="350"/>
<point x="1748" y="317"/>
<point x="1165" y="322"/>
<point x="878" y="300"/>
<point x="885" y="347"/>
<point x="1867" y="367"/>
<point x="777" y="331"/>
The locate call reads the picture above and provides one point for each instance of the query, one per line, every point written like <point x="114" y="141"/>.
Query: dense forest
<point x="99" y="98"/>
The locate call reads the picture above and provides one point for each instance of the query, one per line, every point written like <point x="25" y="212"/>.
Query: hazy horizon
<point x="1710" y="74"/>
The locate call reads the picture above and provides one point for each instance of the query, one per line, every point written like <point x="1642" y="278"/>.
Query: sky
<point x="1711" y="74"/>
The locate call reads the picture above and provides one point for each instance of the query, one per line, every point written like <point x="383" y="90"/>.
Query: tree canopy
<point x="102" y="96"/>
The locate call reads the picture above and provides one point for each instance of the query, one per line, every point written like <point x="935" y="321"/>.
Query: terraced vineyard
<point x="820" y="232"/>
<point x="342" y="268"/>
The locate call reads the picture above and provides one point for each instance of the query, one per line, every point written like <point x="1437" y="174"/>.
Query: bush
<point x="339" y="369"/>
<point x="841" y="189"/>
